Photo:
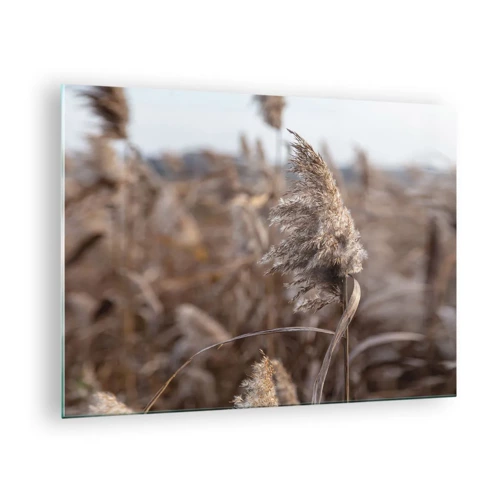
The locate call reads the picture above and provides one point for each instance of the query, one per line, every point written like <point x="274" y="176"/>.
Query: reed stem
<point x="278" y="149"/>
<point x="347" y="367"/>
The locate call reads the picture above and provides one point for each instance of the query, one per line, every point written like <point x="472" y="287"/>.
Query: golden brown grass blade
<point x="384" y="338"/>
<point x="293" y="329"/>
<point x="345" y="319"/>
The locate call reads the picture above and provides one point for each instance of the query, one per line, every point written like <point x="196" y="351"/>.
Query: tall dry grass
<point x="190" y="278"/>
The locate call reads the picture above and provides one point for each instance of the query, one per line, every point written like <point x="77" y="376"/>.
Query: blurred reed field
<point x="170" y="255"/>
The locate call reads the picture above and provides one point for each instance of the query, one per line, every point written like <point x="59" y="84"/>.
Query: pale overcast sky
<point x="393" y="133"/>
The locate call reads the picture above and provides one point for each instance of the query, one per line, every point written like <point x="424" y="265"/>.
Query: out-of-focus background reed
<point x="161" y="260"/>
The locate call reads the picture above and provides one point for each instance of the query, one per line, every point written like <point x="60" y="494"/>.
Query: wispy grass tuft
<point x="285" y="388"/>
<point x="105" y="403"/>
<point x="258" y="389"/>
<point x="271" y="109"/>
<point x="110" y="103"/>
<point x="322" y="246"/>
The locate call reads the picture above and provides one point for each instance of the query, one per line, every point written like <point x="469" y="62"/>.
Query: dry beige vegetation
<point x="157" y="269"/>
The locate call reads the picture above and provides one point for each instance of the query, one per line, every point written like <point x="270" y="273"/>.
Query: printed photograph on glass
<point x="230" y="251"/>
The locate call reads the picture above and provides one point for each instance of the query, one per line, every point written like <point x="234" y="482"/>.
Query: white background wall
<point x="400" y="50"/>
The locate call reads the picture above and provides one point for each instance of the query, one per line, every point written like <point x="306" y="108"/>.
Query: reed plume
<point x="285" y="388"/>
<point x="365" y="170"/>
<point x="110" y="103"/>
<point x="105" y="403"/>
<point x="244" y="148"/>
<point x="322" y="246"/>
<point x="336" y="172"/>
<point x="261" y="155"/>
<point x="271" y="109"/>
<point x="258" y="389"/>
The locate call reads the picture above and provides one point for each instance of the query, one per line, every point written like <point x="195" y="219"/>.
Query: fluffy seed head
<point x="322" y="246"/>
<point x="110" y="103"/>
<point x="258" y="390"/>
<point x="334" y="169"/>
<point x="285" y="388"/>
<point x="271" y="109"/>
<point x="105" y="403"/>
